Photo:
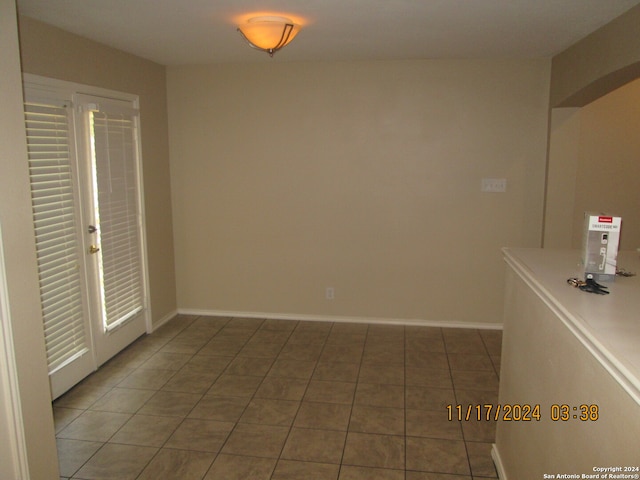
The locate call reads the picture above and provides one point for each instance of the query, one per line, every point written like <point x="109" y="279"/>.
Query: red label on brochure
<point x="605" y="219"/>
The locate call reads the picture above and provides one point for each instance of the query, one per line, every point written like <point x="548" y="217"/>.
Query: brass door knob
<point x="94" y="249"/>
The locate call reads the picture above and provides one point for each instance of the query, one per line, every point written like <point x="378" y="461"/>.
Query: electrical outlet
<point x="495" y="185"/>
<point x="329" y="293"/>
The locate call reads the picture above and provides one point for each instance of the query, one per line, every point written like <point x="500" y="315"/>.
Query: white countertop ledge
<point x="607" y="325"/>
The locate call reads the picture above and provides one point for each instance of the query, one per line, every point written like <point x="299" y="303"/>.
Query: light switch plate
<point x="495" y="185"/>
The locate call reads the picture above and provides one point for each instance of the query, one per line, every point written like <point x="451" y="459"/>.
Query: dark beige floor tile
<point x="432" y="424"/>
<point x="336" y="371"/>
<point x="436" y="455"/>
<point x="324" y="416"/>
<point x="350" y="328"/>
<point x="257" y="367"/>
<point x="94" y="426"/>
<point x="496" y="362"/>
<point x="274" y="324"/>
<point x="244" y="323"/>
<point x="282" y="388"/>
<point x="470" y="345"/>
<point x="355" y="339"/>
<point x="234" y="467"/>
<point x="383" y="331"/>
<point x="148" y="378"/>
<point x="316" y="327"/>
<point x="425" y="344"/>
<point x="122" y="400"/>
<point x="82" y="396"/>
<point x="223" y="409"/>
<point x="313" y="445"/>
<point x="373" y="450"/>
<point x="469" y="380"/>
<point x="235" y="386"/>
<point x="293" y="351"/>
<point x="200" y="435"/>
<point x="479" y="431"/>
<point x="267" y="411"/>
<point x="108" y="375"/>
<point x="256" y="440"/>
<point x="348" y="472"/>
<point x="117" y="462"/>
<point x="308" y="337"/>
<point x="492" y="340"/>
<point x="342" y="353"/>
<point x="256" y="349"/>
<point x="469" y="361"/>
<point x="137" y="353"/>
<point x="383" y="358"/>
<point x="386" y="374"/>
<point x="428" y="398"/>
<point x="63" y="416"/>
<point x="476" y="397"/>
<point x="428" y="377"/>
<point x="354" y="380"/>
<point x="176" y="325"/>
<point x="265" y="336"/>
<point x="208" y="363"/>
<point x="383" y="420"/>
<point x="480" y="460"/>
<point x="72" y="454"/>
<point x="174" y="404"/>
<point x="377" y="395"/>
<point x="146" y="430"/>
<point x="190" y="380"/>
<point x="435" y="476"/>
<point x="183" y="345"/>
<point x="417" y="358"/>
<point x="169" y="464"/>
<point x="289" y="368"/>
<point x="167" y="361"/>
<point x="222" y="346"/>
<point x="294" y="470"/>
<point x="330" y="392"/>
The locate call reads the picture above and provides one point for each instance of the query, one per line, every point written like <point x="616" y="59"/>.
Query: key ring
<point x="590" y="286"/>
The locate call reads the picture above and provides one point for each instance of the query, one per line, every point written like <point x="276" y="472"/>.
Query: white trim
<point x="497" y="461"/>
<point x="38" y="82"/>
<point x="341" y="319"/>
<point x="15" y="437"/>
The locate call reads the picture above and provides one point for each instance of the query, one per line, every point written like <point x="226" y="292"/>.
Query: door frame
<point x="64" y="89"/>
<point x="15" y="448"/>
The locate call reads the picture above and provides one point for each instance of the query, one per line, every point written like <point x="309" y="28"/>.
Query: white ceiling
<point x="177" y="32"/>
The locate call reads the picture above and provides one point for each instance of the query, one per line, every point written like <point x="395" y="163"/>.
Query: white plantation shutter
<point x="115" y="150"/>
<point x="56" y="230"/>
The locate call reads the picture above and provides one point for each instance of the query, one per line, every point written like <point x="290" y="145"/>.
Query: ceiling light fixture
<point x="269" y="34"/>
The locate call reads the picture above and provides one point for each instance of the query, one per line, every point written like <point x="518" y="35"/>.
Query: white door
<point x="84" y="169"/>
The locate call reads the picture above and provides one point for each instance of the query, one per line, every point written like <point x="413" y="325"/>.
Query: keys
<point x="589" y="285"/>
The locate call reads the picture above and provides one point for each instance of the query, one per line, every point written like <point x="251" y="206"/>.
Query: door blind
<point x="54" y="214"/>
<point x="115" y="152"/>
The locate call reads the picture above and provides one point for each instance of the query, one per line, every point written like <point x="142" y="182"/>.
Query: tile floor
<point x="247" y="399"/>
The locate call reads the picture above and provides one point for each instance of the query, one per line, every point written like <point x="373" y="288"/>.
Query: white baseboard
<point x="495" y="454"/>
<point x="340" y="319"/>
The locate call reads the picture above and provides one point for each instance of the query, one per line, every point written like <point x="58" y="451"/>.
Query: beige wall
<point x="598" y="64"/>
<point x="594" y="165"/>
<point x="54" y="53"/>
<point x="365" y="177"/>
<point x="21" y="270"/>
